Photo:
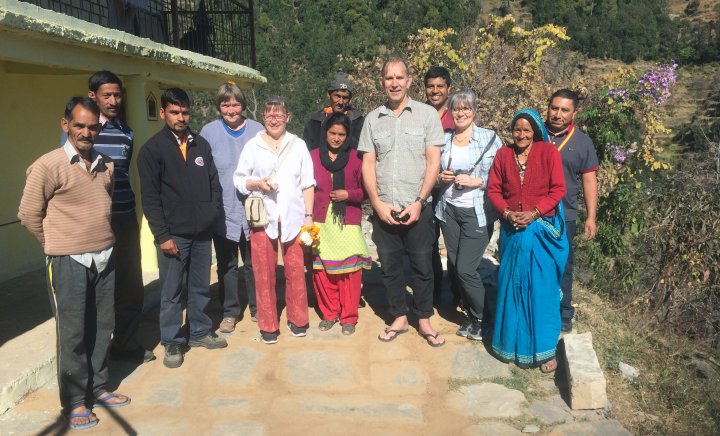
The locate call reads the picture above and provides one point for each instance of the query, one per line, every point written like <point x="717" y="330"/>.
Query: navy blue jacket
<point x="179" y="196"/>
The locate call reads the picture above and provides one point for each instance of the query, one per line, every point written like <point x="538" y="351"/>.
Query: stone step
<point x="584" y="375"/>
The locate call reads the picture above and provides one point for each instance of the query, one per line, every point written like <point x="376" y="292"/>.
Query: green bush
<point x="657" y="250"/>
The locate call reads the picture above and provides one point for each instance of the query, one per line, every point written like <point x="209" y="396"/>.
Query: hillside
<point x="701" y="11"/>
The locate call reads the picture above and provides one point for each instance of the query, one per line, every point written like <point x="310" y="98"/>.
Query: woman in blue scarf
<point x="526" y="186"/>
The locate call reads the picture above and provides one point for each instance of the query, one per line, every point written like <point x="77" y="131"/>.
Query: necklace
<point x="525" y="152"/>
<point x="272" y="142"/>
<point x="521" y="166"/>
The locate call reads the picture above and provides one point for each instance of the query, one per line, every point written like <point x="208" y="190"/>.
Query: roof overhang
<point x="34" y="39"/>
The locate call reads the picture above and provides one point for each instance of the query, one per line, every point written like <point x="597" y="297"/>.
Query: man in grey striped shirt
<point x="401" y="141"/>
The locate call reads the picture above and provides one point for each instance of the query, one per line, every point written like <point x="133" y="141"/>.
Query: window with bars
<point x="219" y="28"/>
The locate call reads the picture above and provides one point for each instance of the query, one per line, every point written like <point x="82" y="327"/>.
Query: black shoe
<point x="566" y="327"/>
<point x="269" y="338"/>
<point x="475" y="331"/>
<point x="464" y="327"/>
<point x="296" y="331"/>
<point x="173" y="356"/>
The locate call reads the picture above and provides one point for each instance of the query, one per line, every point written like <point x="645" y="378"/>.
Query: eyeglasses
<point x="465" y="110"/>
<point x="274" y="117"/>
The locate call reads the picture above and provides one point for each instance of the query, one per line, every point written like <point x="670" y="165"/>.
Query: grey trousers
<point x="465" y="242"/>
<point x="83" y="303"/>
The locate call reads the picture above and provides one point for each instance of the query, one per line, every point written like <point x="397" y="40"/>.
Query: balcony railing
<point x="219" y="28"/>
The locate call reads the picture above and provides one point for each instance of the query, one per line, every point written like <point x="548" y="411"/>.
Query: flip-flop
<point x="427" y="337"/>
<point x="392" y="338"/>
<point x="101" y="400"/>
<point x="89" y="424"/>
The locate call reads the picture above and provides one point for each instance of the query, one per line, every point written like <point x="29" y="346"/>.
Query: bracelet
<point x="506" y="213"/>
<point x="308" y="215"/>
<point x="533" y="215"/>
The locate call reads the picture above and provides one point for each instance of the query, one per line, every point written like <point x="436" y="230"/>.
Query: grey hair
<point x="464" y="97"/>
<point x="395" y="60"/>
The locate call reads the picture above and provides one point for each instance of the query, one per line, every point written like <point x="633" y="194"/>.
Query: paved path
<point x="325" y="383"/>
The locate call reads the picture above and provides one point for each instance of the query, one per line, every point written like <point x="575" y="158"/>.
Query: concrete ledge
<point x="26" y="363"/>
<point x="586" y="380"/>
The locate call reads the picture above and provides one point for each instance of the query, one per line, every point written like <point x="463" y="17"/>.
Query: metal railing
<point x="223" y="29"/>
<point x="220" y="28"/>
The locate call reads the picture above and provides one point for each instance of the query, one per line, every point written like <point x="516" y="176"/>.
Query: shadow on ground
<point x="24" y="304"/>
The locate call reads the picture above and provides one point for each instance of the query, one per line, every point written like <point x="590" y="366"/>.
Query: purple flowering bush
<point x="658" y="234"/>
<point x="623" y="121"/>
<point x="655" y="84"/>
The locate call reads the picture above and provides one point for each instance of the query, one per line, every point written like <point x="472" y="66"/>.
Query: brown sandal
<point x="548" y="366"/>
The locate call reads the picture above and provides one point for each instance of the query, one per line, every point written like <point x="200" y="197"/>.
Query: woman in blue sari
<point x="526" y="186"/>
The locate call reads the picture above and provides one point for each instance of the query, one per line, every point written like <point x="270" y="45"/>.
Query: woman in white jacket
<point x="288" y="196"/>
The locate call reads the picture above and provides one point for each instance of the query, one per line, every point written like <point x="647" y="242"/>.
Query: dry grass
<point x="669" y="397"/>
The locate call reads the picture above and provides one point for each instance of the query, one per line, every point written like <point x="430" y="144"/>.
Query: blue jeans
<point x="194" y="260"/>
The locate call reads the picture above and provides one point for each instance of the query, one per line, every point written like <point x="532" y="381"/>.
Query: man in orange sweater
<point x="67" y="192"/>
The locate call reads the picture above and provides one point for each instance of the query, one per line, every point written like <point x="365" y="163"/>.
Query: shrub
<point x="658" y="241"/>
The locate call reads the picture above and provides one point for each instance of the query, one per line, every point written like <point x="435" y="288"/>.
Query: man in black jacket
<point x="340" y="94"/>
<point x="181" y="196"/>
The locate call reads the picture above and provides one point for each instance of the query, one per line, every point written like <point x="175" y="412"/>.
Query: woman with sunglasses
<point x="466" y="217"/>
<point x="277" y="164"/>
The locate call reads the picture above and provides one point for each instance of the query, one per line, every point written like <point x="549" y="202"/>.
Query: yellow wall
<point x="46" y="58"/>
<point x="32" y="107"/>
<point x="137" y="90"/>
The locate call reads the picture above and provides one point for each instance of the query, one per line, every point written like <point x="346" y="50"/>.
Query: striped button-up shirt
<point x="115" y="140"/>
<point x="399" y="143"/>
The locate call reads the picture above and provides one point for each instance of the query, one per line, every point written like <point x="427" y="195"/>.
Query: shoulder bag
<point x="255" y="212"/>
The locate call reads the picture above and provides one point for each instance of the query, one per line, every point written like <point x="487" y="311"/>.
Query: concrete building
<point x="45" y="58"/>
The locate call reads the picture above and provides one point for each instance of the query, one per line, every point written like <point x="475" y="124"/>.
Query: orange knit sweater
<point x="65" y="207"/>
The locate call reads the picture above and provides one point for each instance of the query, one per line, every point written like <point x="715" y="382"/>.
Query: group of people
<point x="422" y="166"/>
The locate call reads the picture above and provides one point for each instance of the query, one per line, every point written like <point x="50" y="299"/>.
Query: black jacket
<point x="313" y="128"/>
<point x="179" y="197"/>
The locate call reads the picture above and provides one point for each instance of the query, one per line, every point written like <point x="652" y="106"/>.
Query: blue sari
<point x="532" y="262"/>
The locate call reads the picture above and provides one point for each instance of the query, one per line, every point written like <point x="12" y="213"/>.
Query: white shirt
<point x="285" y="205"/>
<point x="460" y="161"/>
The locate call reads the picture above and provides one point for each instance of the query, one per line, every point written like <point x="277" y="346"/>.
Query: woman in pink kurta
<point x="342" y="253"/>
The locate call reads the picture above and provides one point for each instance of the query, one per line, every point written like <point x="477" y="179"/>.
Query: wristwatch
<point x="422" y="202"/>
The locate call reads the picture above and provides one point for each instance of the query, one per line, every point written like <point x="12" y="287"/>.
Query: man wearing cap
<point x="340" y="94"/>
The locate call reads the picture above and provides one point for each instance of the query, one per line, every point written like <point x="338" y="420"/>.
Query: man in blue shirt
<point x="116" y="141"/>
